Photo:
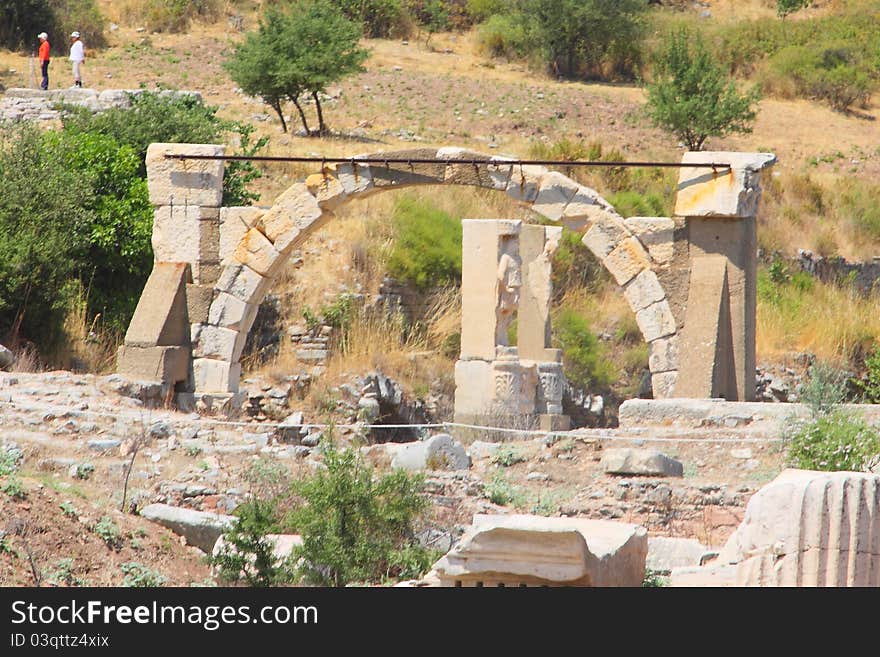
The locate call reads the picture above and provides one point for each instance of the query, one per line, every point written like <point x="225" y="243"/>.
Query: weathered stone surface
<point x="627" y="260"/>
<point x="480" y="449"/>
<point x="713" y="576"/>
<point x="717" y="412"/>
<point x="234" y="223"/>
<point x="810" y="528"/>
<point x="657" y="234"/>
<point x="242" y="282"/>
<point x="206" y="272"/>
<point x="648" y="462"/>
<point x="604" y="236"/>
<point x="229" y="311"/>
<point x="404" y="174"/>
<point x="656" y="321"/>
<point x="733" y="193"/>
<point x="663" y="384"/>
<point x="199" y="528"/>
<point x="440" y="452"/>
<point x="295" y="210"/>
<point x="534" y="550"/>
<point x="466" y="174"/>
<point x="211" y="375"/>
<point x="643" y="290"/>
<point x="184" y="182"/>
<point x="160" y="318"/>
<point x="525" y="181"/>
<point x="216" y="342"/>
<point x="356" y="179"/>
<point x="666" y="553"/>
<point x="554" y="195"/>
<point x="185" y="233"/>
<point x="166" y="364"/>
<point x="258" y="253"/>
<point x="663" y="354"/>
<point x="198" y="302"/>
<point x="470" y="398"/>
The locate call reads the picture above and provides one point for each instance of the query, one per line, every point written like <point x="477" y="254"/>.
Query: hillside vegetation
<point x="488" y="75"/>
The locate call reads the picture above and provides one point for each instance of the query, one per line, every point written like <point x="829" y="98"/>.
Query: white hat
<point x="42" y="35"/>
<point x="75" y="35"/>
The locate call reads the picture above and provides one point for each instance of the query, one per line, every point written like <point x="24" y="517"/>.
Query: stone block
<point x="657" y="234"/>
<point x="643" y="290"/>
<point x="228" y="311"/>
<point x="473" y="387"/>
<point x="243" y="283"/>
<point x="666" y="553"/>
<point x="553" y="422"/>
<point x="185" y="233"/>
<point x="198" y="302"/>
<point x="234" y="223"/>
<point x="587" y="207"/>
<point x="211" y="375"/>
<point x="809" y="528"/>
<point x="206" y="272"/>
<point x="554" y="194"/>
<point x="199" y="528"/>
<point x="184" y="182"/>
<point x="724" y="193"/>
<point x="356" y="179"/>
<point x="642" y="462"/>
<point x="627" y="260"/>
<point x="604" y="235"/>
<point x="525" y="182"/>
<point x="258" y="253"/>
<point x="160" y="318"/>
<point x="477" y="175"/>
<point x="656" y="321"/>
<point x="440" y="452"/>
<point x="166" y="364"/>
<point x="405" y="174"/>
<point x="294" y="211"/>
<point x="515" y="550"/>
<point x="663" y="354"/>
<point x="216" y="342"/>
<point x="663" y="384"/>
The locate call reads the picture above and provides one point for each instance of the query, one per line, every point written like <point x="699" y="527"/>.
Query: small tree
<point x="356" y="527"/>
<point x="786" y="7"/>
<point x="296" y="53"/>
<point x="691" y="96"/>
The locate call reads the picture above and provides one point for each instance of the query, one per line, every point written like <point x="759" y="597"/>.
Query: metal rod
<point x="418" y="160"/>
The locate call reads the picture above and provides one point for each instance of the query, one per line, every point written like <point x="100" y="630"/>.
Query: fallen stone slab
<point x="645" y="462"/>
<point x="713" y="576"/>
<point x="104" y="445"/>
<point x="440" y="452"/>
<point x="666" y="553"/>
<point x="517" y="550"/>
<point x="808" y="528"/>
<point x="7" y="358"/>
<point x="199" y="528"/>
<point x="480" y="449"/>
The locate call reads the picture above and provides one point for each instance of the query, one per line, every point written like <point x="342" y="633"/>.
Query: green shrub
<point x="499" y="491"/>
<point x="574" y="266"/>
<point x="481" y="10"/>
<point x="869" y="385"/>
<point x="584" y="358"/>
<point x="505" y="35"/>
<point x="355" y="527"/>
<point x="9" y="462"/>
<point x="107" y="530"/>
<point x="380" y="18"/>
<point x="248" y="555"/>
<point x="176" y="15"/>
<point x="653" y="579"/>
<point x="141" y="576"/>
<point x="824" y="389"/>
<point x="24" y="19"/>
<point x="13" y="487"/>
<point x="833" y="441"/>
<point x="427" y="245"/>
<point x="507" y="456"/>
<point x="69" y="510"/>
<point x="62" y="574"/>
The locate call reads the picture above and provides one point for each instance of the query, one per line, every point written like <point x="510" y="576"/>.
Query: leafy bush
<point x="427" y="245"/>
<point x="107" y="530"/>
<point x="9" y="462"/>
<point x="507" y="456"/>
<point x="869" y="385"/>
<point x="248" y="555"/>
<point x="583" y="357"/>
<point x="824" y="389"/>
<point x="13" y="487"/>
<point x="505" y="35"/>
<point x="141" y="576"/>
<point x="62" y="574"/>
<point x="834" y="441"/>
<point x="356" y="527"/>
<point x="174" y="118"/>
<point x="68" y="509"/>
<point x="24" y="19"/>
<point x="499" y="491"/>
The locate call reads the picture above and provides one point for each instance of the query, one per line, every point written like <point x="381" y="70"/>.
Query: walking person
<point x="44" y="59"/>
<point x="77" y="56"/>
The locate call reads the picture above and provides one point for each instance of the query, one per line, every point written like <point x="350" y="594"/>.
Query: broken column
<point x="717" y="341"/>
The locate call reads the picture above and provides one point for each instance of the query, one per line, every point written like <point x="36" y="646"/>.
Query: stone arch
<point x="268" y="240"/>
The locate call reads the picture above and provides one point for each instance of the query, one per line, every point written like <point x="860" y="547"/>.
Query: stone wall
<point x="37" y="105"/>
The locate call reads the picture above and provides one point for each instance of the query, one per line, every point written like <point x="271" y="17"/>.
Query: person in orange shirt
<point x="44" y="59"/>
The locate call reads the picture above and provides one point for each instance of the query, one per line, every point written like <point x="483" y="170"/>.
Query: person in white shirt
<point x="77" y="56"/>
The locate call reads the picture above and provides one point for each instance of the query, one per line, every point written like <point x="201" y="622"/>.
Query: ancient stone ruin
<point x="506" y="267"/>
<point x="523" y="550"/>
<point x="690" y="280"/>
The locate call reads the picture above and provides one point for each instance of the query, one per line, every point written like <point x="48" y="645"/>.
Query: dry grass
<point x="844" y="329"/>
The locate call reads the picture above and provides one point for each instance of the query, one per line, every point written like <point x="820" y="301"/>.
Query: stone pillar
<point x="537" y="244"/>
<point x="718" y="339"/>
